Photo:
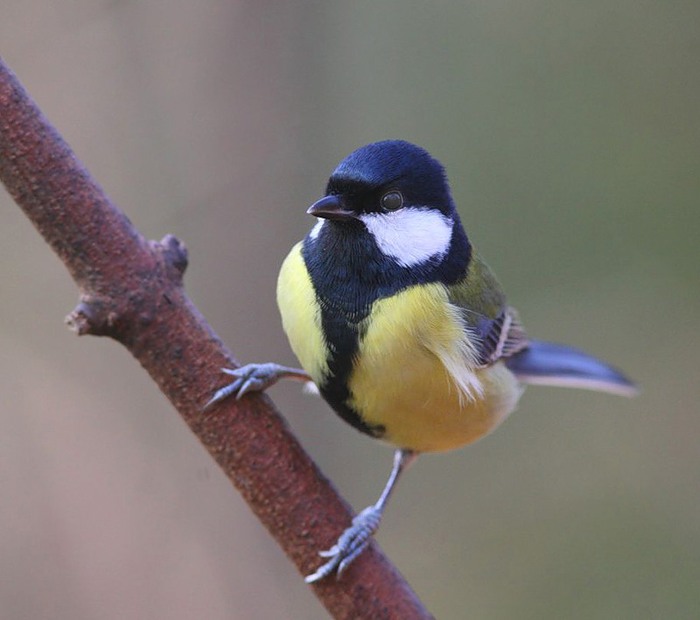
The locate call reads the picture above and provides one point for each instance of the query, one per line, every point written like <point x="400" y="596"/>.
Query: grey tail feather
<point x="547" y="363"/>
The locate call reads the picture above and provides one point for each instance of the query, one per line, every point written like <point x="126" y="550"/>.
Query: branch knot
<point x="174" y="253"/>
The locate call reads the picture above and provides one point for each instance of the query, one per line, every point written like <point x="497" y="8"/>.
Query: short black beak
<point x="330" y="208"/>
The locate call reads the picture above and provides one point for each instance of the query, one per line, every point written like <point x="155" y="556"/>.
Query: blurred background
<point x="571" y="135"/>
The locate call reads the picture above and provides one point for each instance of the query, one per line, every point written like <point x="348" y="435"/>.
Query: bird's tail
<point x="546" y="363"/>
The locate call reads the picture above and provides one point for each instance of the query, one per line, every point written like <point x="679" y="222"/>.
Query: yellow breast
<point x="301" y="315"/>
<point x="415" y="375"/>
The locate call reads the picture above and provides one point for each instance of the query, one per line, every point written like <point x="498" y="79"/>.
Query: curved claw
<point x="323" y="571"/>
<point x="220" y="395"/>
<point x="329" y="553"/>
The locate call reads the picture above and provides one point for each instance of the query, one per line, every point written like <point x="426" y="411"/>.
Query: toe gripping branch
<point x="354" y="540"/>
<point x="254" y="378"/>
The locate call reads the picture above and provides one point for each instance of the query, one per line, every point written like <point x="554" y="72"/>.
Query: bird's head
<point x="399" y="193"/>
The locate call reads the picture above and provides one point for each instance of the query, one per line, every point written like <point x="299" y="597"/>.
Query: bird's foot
<point x="350" y="545"/>
<point x="254" y="378"/>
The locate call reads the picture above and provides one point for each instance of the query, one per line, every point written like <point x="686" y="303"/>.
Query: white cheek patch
<point x="410" y="236"/>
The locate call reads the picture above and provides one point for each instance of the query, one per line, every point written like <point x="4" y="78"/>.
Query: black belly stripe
<point x="349" y="274"/>
<point x="344" y="306"/>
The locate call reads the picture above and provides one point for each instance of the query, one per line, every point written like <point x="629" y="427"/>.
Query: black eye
<point x="391" y="201"/>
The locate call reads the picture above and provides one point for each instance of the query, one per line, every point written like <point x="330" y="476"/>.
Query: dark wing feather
<point x="500" y="337"/>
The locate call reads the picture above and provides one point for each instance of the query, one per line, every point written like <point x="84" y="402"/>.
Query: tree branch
<point x="131" y="290"/>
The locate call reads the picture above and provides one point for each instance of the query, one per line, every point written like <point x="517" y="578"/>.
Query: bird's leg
<point x="255" y="378"/>
<point x="355" y="539"/>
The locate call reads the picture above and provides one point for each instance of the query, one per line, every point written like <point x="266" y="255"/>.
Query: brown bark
<point x="131" y="290"/>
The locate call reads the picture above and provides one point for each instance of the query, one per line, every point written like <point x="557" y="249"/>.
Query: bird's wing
<point x="500" y="337"/>
<point x="495" y="327"/>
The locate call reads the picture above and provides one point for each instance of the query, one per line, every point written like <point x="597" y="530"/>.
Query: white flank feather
<point x="460" y="360"/>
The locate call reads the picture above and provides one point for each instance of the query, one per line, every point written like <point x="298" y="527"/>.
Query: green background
<point x="570" y="132"/>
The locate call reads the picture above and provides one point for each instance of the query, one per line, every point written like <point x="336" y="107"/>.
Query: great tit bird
<point x="402" y="326"/>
